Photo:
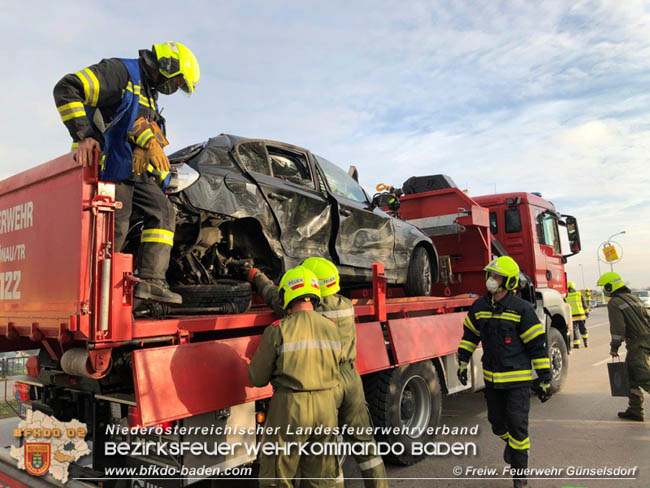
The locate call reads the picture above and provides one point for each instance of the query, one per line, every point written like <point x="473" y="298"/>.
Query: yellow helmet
<point x="299" y="283"/>
<point x="327" y="274"/>
<point x="571" y="284"/>
<point x="610" y="282"/>
<point x="176" y="59"/>
<point x="507" y="267"/>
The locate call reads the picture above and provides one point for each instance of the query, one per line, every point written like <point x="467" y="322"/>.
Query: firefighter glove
<point x="544" y="391"/>
<point x="157" y="156"/>
<point x="140" y="160"/>
<point x="462" y="373"/>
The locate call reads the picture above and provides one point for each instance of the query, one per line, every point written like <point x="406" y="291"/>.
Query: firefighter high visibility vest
<point x="118" y="154"/>
<point x="574" y="299"/>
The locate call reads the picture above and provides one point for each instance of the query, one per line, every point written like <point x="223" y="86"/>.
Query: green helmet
<point x="507" y="267"/>
<point x="571" y="284"/>
<point x="327" y="274"/>
<point x="176" y="59"/>
<point x="299" y="283"/>
<point x="610" y="282"/>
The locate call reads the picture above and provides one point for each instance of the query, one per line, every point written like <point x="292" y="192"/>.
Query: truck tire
<point x="407" y="396"/>
<point x="559" y="357"/>
<point x="223" y="292"/>
<point x="419" y="278"/>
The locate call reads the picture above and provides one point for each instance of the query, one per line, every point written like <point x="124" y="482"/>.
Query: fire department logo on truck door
<point x="37" y="457"/>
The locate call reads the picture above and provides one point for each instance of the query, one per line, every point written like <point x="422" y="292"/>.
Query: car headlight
<point x="182" y="176"/>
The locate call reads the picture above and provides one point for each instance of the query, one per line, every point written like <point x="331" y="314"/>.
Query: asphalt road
<point x="578" y="427"/>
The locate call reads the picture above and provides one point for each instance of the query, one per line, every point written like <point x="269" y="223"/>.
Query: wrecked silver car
<point x="274" y="204"/>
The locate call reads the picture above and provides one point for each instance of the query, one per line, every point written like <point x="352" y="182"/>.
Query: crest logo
<point x="37" y="457"/>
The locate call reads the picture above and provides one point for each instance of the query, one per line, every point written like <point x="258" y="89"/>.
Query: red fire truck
<point x="67" y="294"/>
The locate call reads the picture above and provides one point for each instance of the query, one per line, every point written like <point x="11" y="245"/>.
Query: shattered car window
<point x="290" y="167"/>
<point x="340" y="182"/>
<point x="253" y="156"/>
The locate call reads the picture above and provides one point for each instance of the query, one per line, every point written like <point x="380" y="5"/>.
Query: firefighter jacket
<point x="628" y="320"/>
<point x="103" y="101"/>
<point x="512" y="337"/>
<point x="299" y="353"/>
<point x="578" y="306"/>
<point x="341" y="311"/>
<point x="334" y="307"/>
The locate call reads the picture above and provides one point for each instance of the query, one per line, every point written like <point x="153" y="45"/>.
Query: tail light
<point x="22" y="392"/>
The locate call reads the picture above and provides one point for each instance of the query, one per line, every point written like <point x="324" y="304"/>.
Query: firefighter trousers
<point x="142" y="197"/>
<point x="579" y="331"/>
<point x="508" y="415"/>
<point x="353" y="413"/>
<point x="290" y="411"/>
<point x="638" y="368"/>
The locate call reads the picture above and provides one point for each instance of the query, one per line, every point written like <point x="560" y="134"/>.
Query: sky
<point x="550" y="97"/>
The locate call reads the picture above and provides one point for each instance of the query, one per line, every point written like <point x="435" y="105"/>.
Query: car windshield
<point x="340" y="182"/>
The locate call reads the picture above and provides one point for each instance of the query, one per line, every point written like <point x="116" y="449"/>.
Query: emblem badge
<point x="37" y="457"/>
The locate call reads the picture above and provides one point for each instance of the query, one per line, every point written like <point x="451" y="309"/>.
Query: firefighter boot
<point x="585" y="342"/>
<point x="627" y="415"/>
<point x="157" y="291"/>
<point x="520" y="483"/>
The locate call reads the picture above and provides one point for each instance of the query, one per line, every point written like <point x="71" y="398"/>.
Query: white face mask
<point x="492" y="285"/>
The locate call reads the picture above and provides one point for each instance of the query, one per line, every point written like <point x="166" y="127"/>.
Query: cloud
<point x="521" y="96"/>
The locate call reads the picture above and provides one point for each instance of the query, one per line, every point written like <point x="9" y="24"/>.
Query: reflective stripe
<point x="531" y="333"/>
<point x="508" y="376"/>
<point x="576" y="342"/>
<point x="144" y="138"/>
<point x="468" y="323"/>
<point x="310" y="344"/>
<point x="71" y="110"/>
<point x="483" y="315"/>
<point x="585" y="336"/>
<point x="338" y="314"/>
<point x="505" y="436"/>
<point x="91" y="86"/>
<point x="468" y="346"/>
<point x="161" y="236"/>
<point x="371" y="463"/>
<point x="617" y="337"/>
<point x="75" y="145"/>
<point x="513" y="317"/>
<point x="519" y="445"/>
<point x="623" y="306"/>
<point x="133" y="89"/>
<point x="542" y="363"/>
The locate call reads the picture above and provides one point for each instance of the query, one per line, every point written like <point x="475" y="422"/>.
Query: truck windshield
<point x="547" y="231"/>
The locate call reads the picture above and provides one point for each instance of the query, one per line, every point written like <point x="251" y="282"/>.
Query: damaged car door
<point x="363" y="234"/>
<point x="302" y="212"/>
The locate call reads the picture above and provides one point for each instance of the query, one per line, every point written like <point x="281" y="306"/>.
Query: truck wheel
<point x="236" y="294"/>
<point x="419" y="277"/>
<point x="559" y="358"/>
<point x="407" y="397"/>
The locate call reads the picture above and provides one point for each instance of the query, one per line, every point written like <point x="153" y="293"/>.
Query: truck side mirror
<point x="354" y="173"/>
<point x="574" y="234"/>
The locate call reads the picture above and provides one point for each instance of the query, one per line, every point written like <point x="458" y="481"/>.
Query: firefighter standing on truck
<point x="512" y="337"/>
<point x="353" y="411"/>
<point x="300" y="356"/>
<point x="629" y="322"/>
<point x="578" y="314"/>
<point x="112" y="106"/>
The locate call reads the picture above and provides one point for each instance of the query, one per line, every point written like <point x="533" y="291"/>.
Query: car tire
<point x="419" y="279"/>
<point x="407" y="396"/>
<point x="233" y="295"/>
<point x="559" y="357"/>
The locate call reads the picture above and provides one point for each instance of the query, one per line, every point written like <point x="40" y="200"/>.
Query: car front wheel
<point x="419" y="278"/>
